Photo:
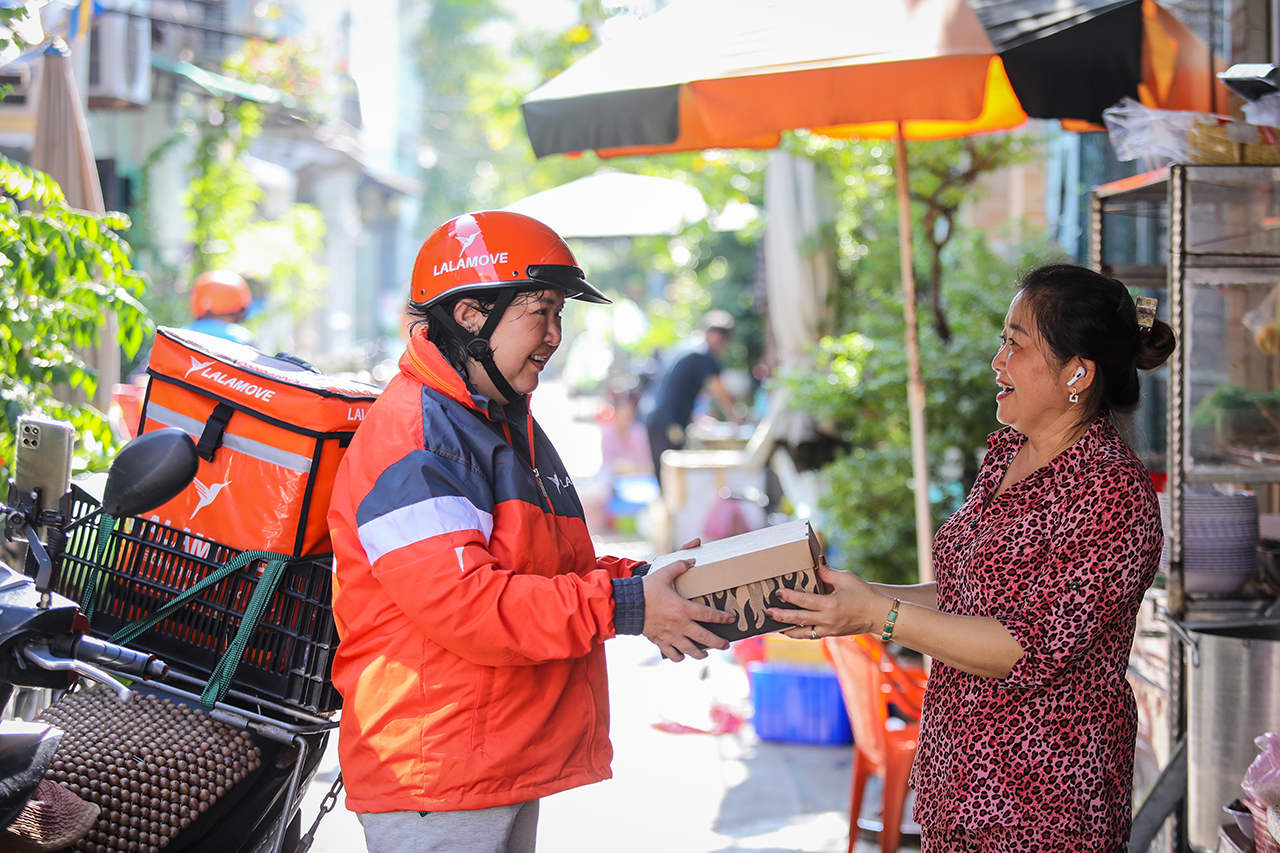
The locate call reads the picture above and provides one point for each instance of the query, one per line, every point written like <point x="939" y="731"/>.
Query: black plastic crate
<point x="148" y="564"/>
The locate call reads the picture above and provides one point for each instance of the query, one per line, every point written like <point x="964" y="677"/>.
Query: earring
<point x="1075" y="398"/>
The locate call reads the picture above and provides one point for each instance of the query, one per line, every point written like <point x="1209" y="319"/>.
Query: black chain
<point x="328" y="804"/>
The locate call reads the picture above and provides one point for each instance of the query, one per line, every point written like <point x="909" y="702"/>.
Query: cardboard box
<point x="740" y="574"/>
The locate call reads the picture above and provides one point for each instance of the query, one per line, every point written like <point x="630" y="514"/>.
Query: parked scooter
<point x="220" y="777"/>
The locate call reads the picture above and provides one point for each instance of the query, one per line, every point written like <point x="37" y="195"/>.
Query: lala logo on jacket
<point x="561" y="485"/>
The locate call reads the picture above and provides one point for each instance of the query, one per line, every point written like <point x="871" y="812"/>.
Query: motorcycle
<point x="166" y="767"/>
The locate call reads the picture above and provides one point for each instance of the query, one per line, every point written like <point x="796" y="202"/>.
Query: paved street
<point x="679" y="793"/>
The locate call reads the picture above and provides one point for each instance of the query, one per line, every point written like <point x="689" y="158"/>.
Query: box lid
<point x="749" y="557"/>
<point x="176" y="350"/>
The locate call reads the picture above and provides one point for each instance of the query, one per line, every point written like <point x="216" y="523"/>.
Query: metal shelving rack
<point x="1209" y="236"/>
<point x="1206" y="241"/>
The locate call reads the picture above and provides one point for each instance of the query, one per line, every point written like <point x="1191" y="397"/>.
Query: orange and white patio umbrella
<point x="736" y="73"/>
<point x="704" y="74"/>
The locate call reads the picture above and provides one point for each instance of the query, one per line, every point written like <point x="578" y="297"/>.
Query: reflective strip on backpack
<point x="248" y="447"/>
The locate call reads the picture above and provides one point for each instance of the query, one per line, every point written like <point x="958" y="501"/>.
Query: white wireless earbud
<point x="1076" y="378"/>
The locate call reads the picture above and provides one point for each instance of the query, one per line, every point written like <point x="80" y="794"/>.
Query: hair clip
<point x="1146" y="312"/>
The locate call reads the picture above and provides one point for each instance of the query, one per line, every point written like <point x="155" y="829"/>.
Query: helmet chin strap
<point x="477" y="345"/>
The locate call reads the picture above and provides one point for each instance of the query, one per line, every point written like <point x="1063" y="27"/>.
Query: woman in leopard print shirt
<point x="1029" y="723"/>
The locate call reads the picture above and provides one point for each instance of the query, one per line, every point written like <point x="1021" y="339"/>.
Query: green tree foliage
<point x="476" y="153"/>
<point x="61" y="272"/>
<point x="943" y="180"/>
<point x="228" y="229"/>
<point x="464" y="76"/>
<point x="300" y="71"/>
<point x="478" y="156"/>
<point x="223" y="197"/>
<point x="859" y="383"/>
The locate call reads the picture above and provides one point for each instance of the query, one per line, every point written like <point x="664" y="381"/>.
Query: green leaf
<point x="61" y="272"/>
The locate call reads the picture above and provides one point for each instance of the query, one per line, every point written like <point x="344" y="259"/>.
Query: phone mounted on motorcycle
<point x="38" y="626"/>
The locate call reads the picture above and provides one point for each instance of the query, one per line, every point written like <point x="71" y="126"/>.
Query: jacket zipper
<point x="533" y="462"/>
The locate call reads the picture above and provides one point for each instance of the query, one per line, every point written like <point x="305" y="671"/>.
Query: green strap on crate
<point x="224" y="673"/>
<point x="88" y="599"/>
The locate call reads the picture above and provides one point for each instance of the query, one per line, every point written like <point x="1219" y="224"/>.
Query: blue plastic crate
<point x="798" y="704"/>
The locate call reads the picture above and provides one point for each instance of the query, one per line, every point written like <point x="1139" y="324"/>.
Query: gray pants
<point x="505" y="829"/>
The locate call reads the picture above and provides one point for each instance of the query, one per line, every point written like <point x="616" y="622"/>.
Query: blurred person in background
<point x="624" y="442"/>
<point x="685" y="373"/>
<point x="626" y="482"/>
<point x="471" y="605"/>
<point x="220" y="300"/>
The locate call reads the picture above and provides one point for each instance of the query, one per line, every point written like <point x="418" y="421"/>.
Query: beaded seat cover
<point x="152" y="765"/>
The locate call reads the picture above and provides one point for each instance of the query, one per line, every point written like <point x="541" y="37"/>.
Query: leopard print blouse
<point x="1062" y="559"/>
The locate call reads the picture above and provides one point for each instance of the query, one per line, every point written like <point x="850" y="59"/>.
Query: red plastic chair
<point x="870" y="680"/>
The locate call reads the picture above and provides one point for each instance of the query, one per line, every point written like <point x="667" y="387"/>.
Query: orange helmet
<point x="219" y="292"/>
<point x="492" y="250"/>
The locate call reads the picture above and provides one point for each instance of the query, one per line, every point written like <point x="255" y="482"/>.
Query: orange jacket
<point x="470" y="603"/>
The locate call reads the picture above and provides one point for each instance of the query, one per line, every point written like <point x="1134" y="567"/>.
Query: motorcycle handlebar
<point x="123" y="660"/>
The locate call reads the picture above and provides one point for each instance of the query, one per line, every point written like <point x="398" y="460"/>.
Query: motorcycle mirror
<point x="149" y="471"/>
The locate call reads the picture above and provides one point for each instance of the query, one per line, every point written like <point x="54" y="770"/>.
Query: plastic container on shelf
<point x="798" y="704"/>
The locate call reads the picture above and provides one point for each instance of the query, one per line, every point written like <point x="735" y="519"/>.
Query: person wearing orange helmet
<point x="220" y="299"/>
<point x="471" y="604"/>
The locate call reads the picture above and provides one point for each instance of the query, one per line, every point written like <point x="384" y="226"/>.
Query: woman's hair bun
<point x="1155" y="346"/>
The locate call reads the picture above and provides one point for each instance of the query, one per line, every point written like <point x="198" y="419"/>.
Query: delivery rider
<point x="470" y="602"/>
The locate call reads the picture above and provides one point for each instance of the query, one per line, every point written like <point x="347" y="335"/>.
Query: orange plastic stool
<point x="870" y="680"/>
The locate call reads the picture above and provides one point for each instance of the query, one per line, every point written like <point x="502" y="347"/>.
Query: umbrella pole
<point x="915" y="385"/>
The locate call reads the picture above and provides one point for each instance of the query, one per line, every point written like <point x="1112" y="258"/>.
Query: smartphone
<point x="43" y="460"/>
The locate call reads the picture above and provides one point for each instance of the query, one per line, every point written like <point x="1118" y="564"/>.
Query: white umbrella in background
<point x="610" y="203"/>
<point x="800" y="269"/>
<point x="63" y="151"/>
<point x="800" y="273"/>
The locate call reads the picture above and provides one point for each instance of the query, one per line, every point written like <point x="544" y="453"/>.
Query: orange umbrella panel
<point x="728" y="74"/>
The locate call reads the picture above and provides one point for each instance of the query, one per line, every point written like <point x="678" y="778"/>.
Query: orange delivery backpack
<point x="270" y="432"/>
